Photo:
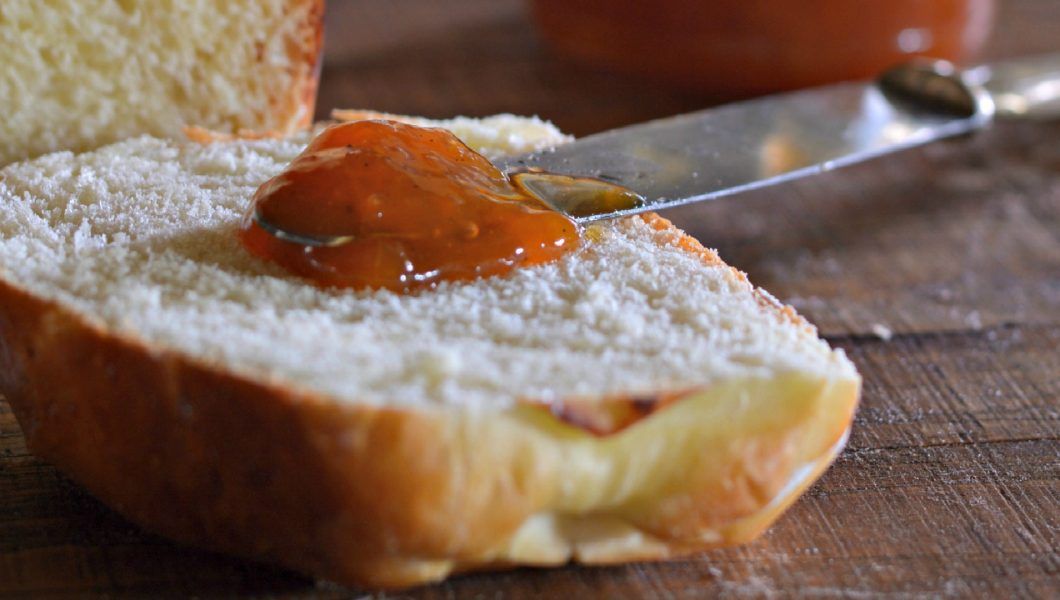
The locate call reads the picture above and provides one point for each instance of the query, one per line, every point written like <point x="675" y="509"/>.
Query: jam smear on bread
<point x="382" y="204"/>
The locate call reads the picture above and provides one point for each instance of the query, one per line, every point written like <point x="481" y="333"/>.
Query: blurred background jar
<point x="746" y="47"/>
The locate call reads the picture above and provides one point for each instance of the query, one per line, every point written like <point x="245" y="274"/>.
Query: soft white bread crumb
<point x="139" y="236"/>
<point x="492" y="136"/>
<point x="75" y="74"/>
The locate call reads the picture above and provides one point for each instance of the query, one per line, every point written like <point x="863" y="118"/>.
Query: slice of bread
<point x="80" y="73"/>
<point x="638" y="399"/>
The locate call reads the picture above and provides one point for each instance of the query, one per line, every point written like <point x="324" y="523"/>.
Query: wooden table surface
<point x="950" y="485"/>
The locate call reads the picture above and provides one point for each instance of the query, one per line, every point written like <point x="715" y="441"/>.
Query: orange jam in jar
<point x="746" y="47"/>
<point x="381" y="204"/>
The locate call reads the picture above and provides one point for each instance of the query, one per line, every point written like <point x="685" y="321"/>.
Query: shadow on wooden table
<point x="57" y="539"/>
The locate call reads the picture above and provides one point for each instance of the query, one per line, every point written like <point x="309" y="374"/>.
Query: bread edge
<point x="307" y="58"/>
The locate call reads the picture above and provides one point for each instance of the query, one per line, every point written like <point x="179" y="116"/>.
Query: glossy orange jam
<point x="388" y="205"/>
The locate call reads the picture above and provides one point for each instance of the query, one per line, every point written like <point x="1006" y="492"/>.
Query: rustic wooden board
<point x="960" y="235"/>
<point x="950" y="485"/>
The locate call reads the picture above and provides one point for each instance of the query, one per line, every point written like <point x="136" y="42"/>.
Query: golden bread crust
<point x="389" y="497"/>
<point x="306" y="51"/>
<point x="201" y="135"/>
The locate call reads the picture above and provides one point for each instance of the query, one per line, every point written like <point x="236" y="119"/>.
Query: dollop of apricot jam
<point x="381" y="204"/>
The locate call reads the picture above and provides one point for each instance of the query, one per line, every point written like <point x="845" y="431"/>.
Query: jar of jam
<point x="747" y="47"/>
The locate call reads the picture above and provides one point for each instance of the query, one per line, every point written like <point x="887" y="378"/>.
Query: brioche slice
<point x="636" y="400"/>
<point x="80" y="73"/>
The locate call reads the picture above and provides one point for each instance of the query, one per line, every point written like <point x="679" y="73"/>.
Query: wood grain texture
<point x="950" y="485"/>
<point x="958" y="235"/>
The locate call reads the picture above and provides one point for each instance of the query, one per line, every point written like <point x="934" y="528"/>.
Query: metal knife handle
<point x="1025" y="88"/>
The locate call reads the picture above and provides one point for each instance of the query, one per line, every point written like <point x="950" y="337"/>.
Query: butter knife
<point x="747" y="145"/>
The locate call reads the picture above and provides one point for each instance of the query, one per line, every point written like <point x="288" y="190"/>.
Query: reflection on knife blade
<point x="722" y="151"/>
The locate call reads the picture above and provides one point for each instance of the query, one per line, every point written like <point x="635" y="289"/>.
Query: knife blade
<point x="747" y="145"/>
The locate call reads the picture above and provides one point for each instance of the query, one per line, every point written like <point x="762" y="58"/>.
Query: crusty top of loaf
<point x="139" y="238"/>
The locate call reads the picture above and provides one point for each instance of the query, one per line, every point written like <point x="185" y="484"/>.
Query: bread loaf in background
<point x="76" y="74"/>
